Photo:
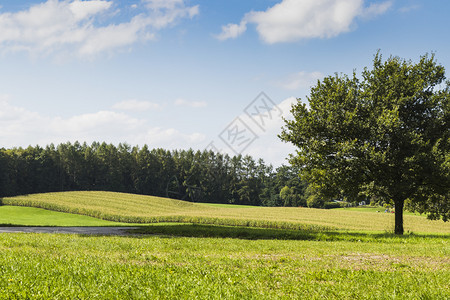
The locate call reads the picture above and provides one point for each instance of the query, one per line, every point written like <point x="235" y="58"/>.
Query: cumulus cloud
<point x="268" y="146"/>
<point x="376" y="9"/>
<point x="292" y="20"/>
<point x="195" y="104"/>
<point x="21" y="127"/>
<point x="83" y="9"/>
<point x="85" y="28"/>
<point x="299" y="80"/>
<point x="170" y="138"/>
<point x="102" y="122"/>
<point x="167" y="12"/>
<point x="232" y="31"/>
<point x="135" y="105"/>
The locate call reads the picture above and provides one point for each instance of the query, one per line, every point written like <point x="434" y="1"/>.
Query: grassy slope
<point x="31" y="216"/>
<point x="147" y="209"/>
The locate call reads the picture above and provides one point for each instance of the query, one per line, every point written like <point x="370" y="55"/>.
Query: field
<point x="31" y="216"/>
<point x="38" y="266"/>
<point x="310" y="255"/>
<point x="130" y="208"/>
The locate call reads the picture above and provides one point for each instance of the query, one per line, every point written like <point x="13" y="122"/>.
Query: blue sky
<point x="186" y="73"/>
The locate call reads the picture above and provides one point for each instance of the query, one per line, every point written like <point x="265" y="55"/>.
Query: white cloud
<point x="299" y="80"/>
<point x="135" y="105"/>
<point x="167" y="12"/>
<point x="170" y="138"/>
<point x="293" y="20"/>
<point x="268" y="146"/>
<point x="95" y="124"/>
<point x="376" y="9"/>
<point x="232" y="31"/>
<point x="83" y="9"/>
<point x="162" y="4"/>
<point x="84" y="28"/>
<point x="196" y="104"/>
<point x="21" y="127"/>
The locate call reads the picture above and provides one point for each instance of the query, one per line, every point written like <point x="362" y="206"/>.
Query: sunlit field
<point x="131" y="208"/>
<point x="31" y="216"/>
<point x="56" y="266"/>
<point x="274" y="253"/>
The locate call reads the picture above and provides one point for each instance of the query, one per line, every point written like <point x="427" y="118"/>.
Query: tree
<point x="386" y="135"/>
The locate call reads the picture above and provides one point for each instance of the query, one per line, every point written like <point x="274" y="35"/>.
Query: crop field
<point x="131" y="208"/>
<point x="334" y="259"/>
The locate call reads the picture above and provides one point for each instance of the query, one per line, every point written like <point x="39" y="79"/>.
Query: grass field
<point x="54" y="266"/>
<point x="31" y="216"/>
<point x="147" y="209"/>
<point x="336" y="254"/>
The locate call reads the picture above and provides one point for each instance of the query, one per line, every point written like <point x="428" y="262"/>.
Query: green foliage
<point x="385" y="135"/>
<point x="315" y="201"/>
<point x="330" y="205"/>
<point x="180" y="174"/>
<point x="290" y="198"/>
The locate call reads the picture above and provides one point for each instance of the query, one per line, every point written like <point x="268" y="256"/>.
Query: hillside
<point x="131" y="208"/>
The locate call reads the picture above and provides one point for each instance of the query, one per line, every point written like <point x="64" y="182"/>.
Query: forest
<point x="197" y="176"/>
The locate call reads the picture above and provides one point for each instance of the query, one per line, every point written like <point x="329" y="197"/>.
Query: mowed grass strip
<point x="55" y="266"/>
<point x="31" y="216"/>
<point x="130" y="208"/>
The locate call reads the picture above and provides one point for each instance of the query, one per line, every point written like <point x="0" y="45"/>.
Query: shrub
<point x="315" y="201"/>
<point x="329" y="205"/>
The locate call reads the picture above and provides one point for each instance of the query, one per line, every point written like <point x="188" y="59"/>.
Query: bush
<point x="314" y="201"/>
<point x="329" y="205"/>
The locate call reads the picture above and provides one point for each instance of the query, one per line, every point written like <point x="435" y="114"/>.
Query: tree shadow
<point x="251" y="233"/>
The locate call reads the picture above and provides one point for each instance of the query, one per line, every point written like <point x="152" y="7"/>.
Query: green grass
<point x="239" y="232"/>
<point x="129" y="208"/>
<point x="31" y="216"/>
<point x="300" y="254"/>
<point x="56" y="266"/>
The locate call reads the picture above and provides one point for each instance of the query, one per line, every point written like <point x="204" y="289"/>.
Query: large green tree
<point x="384" y="135"/>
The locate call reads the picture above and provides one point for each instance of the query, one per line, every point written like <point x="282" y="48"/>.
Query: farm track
<point x="94" y="230"/>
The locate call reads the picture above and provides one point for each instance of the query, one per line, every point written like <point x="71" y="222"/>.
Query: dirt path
<point x="72" y="230"/>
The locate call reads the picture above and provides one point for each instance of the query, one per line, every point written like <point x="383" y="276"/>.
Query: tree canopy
<point x="382" y="136"/>
<point x="201" y="176"/>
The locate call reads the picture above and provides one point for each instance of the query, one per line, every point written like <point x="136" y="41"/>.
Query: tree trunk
<point x="399" y="203"/>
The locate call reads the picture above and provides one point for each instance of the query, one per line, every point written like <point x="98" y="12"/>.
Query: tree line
<point x="198" y="176"/>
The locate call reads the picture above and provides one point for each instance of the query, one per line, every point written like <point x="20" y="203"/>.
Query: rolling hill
<point x="131" y="208"/>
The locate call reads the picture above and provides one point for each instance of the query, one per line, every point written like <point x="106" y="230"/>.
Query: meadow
<point x="333" y="259"/>
<point x="130" y="208"/>
<point x="31" y="216"/>
<point x="55" y="266"/>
